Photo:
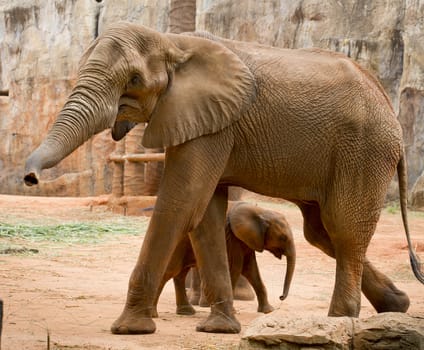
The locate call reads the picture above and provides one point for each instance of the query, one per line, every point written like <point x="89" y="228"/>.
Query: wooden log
<point x="137" y="157"/>
<point x="116" y="158"/>
<point x="118" y="170"/>
<point x="145" y="157"/>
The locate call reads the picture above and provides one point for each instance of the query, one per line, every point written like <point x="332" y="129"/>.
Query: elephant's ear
<point x="209" y="89"/>
<point x="248" y="225"/>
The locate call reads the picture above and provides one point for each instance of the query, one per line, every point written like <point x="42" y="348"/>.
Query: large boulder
<point x="277" y="331"/>
<point x="386" y="331"/>
<point x="389" y="331"/>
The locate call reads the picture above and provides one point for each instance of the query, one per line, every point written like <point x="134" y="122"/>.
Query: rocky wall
<point x="41" y="42"/>
<point x="40" y="46"/>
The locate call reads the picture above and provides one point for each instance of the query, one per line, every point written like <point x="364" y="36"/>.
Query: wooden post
<point x="118" y="171"/>
<point x="153" y="173"/>
<point x="134" y="171"/>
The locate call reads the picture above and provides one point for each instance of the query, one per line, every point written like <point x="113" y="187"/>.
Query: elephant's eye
<point x="136" y="80"/>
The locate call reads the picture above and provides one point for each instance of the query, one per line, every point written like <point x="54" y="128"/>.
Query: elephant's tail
<point x="403" y="193"/>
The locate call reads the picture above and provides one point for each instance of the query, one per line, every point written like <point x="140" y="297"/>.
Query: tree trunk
<point x="118" y="171"/>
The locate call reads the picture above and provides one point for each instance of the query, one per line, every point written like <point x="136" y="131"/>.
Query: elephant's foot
<point x="393" y="301"/>
<point x="243" y="294"/>
<point x="381" y="291"/>
<point x="265" y="308"/>
<point x="243" y="290"/>
<point x="219" y="323"/>
<point x="132" y="323"/>
<point x="348" y="308"/>
<point x="203" y="302"/>
<point x="194" y="297"/>
<point x="185" y="310"/>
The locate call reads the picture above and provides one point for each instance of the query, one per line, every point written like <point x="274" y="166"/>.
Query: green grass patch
<point x="392" y="208"/>
<point x="78" y="232"/>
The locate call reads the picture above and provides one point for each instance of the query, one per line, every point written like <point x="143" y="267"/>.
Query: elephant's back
<point x="320" y="90"/>
<point x="311" y="79"/>
<point x="313" y="108"/>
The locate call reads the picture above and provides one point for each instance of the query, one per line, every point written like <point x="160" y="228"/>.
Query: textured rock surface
<point x="41" y="42"/>
<point x="389" y="331"/>
<point x="40" y="46"/>
<point x="279" y="332"/>
<point x="383" y="331"/>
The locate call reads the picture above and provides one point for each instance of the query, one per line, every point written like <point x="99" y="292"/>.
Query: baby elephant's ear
<point x="248" y="226"/>
<point x="209" y="88"/>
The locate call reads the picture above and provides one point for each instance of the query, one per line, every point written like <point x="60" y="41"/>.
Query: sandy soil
<point x="72" y="293"/>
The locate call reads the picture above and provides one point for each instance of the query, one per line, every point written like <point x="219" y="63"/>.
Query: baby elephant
<point x="248" y="229"/>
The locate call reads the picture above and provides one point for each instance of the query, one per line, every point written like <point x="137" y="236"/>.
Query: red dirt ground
<point x="73" y="292"/>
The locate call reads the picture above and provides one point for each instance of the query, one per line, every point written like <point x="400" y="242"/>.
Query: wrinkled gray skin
<point x="309" y="126"/>
<point x="248" y="228"/>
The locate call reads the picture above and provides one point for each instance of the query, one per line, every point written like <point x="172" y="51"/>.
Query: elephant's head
<point x="265" y="229"/>
<point x="182" y="86"/>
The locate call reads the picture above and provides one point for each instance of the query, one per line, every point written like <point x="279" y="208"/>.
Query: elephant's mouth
<point x="278" y="253"/>
<point x="129" y="109"/>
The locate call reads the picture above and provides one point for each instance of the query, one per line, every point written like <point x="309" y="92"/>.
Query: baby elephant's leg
<point x="251" y="272"/>
<point x="183" y="305"/>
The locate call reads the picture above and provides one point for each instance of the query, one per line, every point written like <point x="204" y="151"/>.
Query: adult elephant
<point x="310" y="126"/>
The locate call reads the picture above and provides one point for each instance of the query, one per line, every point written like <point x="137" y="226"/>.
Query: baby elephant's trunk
<point x="291" y="262"/>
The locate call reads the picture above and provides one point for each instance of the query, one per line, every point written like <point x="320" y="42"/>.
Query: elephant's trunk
<point x="83" y="115"/>
<point x="291" y="262"/>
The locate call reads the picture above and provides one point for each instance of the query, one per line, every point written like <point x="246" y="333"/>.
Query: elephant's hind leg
<point x="346" y="298"/>
<point x="381" y="292"/>
<point x="377" y="287"/>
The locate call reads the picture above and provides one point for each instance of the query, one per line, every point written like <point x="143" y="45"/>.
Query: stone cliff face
<point x="40" y="46"/>
<point x="41" y="42"/>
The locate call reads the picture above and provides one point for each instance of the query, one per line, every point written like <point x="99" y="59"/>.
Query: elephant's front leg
<point x="186" y="189"/>
<point x="146" y="280"/>
<point x="209" y="246"/>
